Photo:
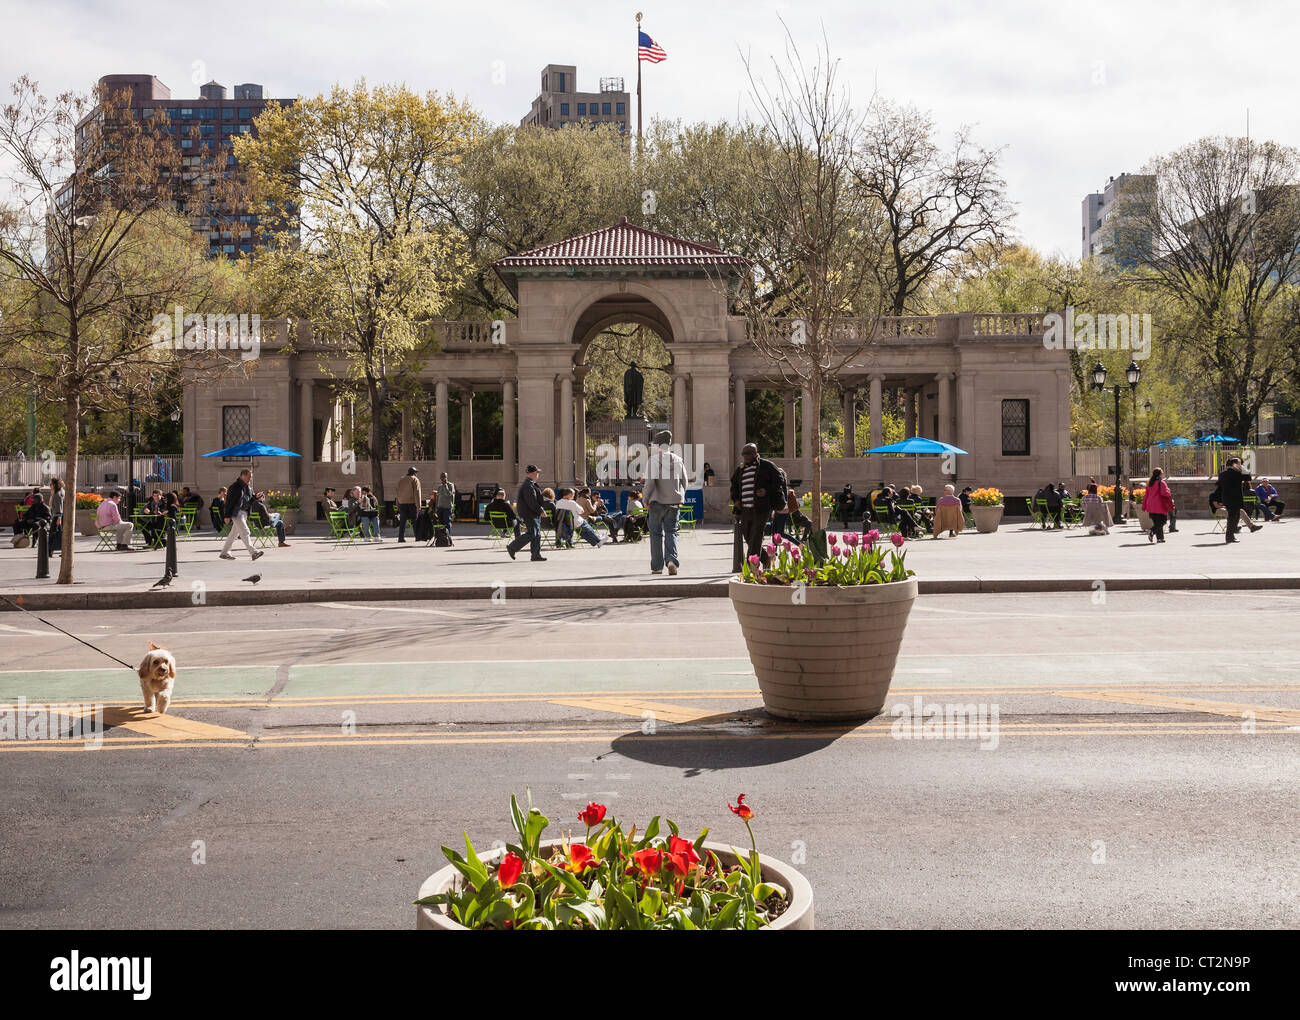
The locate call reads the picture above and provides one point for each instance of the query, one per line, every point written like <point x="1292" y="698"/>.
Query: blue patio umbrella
<point x="1176" y="441"/>
<point x="251" y="449"/>
<point x="917" y="445"/>
<point x="1216" y="438"/>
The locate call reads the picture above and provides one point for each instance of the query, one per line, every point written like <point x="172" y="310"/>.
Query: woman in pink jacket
<point x="1159" y="503"/>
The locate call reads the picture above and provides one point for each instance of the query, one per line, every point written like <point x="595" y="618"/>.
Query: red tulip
<point x="592" y="814"/>
<point x="685" y="849"/>
<point x="741" y="808"/>
<point x="580" y="857"/>
<point x="649" y="861"/>
<point x="510" y="870"/>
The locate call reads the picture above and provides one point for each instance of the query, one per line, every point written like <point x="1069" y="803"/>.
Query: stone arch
<point x="625" y="301"/>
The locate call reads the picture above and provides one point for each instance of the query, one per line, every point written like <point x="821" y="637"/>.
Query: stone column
<point x="968" y="466"/>
<point x="850" y="423"/>
<point x="790" y="449"/>
<point x="580" y="427"/>
<point x="564" y="469"/>
<point x="408" y="437"/>
<point x="508" y="430"/>
<point x="679" y="408"/>
<point x="467" y="426"/>
<point x="913" y="412"/>
<point x="738" y="397"/>
<point x="945" y="407"/>
<point x="306" y="434"/>
<point x="440" y="424"/>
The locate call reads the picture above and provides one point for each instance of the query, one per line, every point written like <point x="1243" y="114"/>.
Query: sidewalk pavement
<point x="1017" y="558"/>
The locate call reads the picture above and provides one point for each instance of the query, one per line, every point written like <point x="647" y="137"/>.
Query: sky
<point x="1073" y="93"/>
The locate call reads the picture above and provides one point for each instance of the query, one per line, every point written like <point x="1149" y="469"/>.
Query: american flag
<point x="650" y="50"/>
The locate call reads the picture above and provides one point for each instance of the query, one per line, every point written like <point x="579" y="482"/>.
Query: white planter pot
<point x="987" y="518"/>
<point x="829" y="658"/>
<point x="797" y="917"/>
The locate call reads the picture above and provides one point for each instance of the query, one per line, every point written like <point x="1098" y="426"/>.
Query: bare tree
<point x="801" y="189"/>
<point x="1216" y="227"/>
<point x="89" y="252"/>
<point x="936" y="206"/>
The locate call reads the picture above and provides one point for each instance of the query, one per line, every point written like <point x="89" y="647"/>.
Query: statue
<point x="633" y="391"/>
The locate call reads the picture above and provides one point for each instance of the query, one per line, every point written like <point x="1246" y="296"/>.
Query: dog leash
<point x="73" y="636"/>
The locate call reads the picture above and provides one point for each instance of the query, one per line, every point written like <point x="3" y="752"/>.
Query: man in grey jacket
<point x="664" y="494"/>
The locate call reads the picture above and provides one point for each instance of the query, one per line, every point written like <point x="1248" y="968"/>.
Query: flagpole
<point x="638" y="82"/>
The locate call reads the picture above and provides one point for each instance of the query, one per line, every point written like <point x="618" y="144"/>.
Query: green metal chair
<point x="499" y="527"/>
<point x="342" y="533"/>
<point x="107" y="540"/>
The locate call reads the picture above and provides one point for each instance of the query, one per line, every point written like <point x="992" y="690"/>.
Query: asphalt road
<point x="316" y="757"/>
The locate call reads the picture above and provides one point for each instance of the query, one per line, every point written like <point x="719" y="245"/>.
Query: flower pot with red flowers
<point x="613" y="878"/>
<point x="823" y="635"/>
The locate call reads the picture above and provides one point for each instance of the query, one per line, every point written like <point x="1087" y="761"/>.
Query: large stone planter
<point x="289" y="517"/>
<point x="987" y="518"/>
<point x="86" y="524"/>
<point x="1144" y="519"/>
<point x="798" y="917"/>
<point x="828" y="657"/>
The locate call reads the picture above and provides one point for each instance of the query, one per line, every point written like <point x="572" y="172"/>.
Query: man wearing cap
<point x="528" y="504"/>
<point x="408" y="502"/>
<point x="664" y="494"/>
<point x="756" y="490"/>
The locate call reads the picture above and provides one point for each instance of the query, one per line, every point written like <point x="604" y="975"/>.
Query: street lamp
<point x="1133" y="374"/>
<point x="130" y="437"/>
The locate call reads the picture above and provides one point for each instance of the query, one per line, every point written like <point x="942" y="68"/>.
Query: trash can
<point x="465" y="507"/>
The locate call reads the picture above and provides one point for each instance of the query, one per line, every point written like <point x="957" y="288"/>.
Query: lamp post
<point x="130" y="437"/>
<point x="1133" y="374"/>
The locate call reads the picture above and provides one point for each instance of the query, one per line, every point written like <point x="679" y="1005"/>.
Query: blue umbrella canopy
<point x="251" y="449"/>
<point x="1176" y="441"/>
<point x="918" y="444"/>
<point x="1216" y="438"/>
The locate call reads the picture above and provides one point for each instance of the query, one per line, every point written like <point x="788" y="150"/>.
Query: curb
<point x="102" y="600"/>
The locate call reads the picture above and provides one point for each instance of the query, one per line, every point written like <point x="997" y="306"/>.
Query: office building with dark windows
<point x="560" y="104"/>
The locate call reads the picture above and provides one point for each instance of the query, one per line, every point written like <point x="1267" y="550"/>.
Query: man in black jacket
<point x="239" y="497"/>
<point x="756" y="490"/>
<point x="529" y="504"/>
<point x="1231" y="480"/>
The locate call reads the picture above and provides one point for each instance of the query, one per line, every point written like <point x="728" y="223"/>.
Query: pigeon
<point x="254" y="579"/>
<point x="163" y="581"/>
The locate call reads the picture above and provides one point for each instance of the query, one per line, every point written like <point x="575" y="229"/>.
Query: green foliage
<point x="612" y="880"/>
<point x="859" y="559"/>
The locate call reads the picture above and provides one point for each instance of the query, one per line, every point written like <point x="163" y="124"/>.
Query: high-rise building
<point x="560" y="104"/>
<point x="203" y="128"/>
<point x="1112" y="228"/>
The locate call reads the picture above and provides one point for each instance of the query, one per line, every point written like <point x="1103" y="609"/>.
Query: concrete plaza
<point x="1018" y="557"/>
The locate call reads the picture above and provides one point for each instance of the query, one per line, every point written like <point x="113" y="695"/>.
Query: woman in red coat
<point x="1159" y="504"/>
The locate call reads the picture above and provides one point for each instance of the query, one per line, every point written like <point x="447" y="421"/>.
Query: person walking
<point x="445" y="503"/>
<point x="756" y="490"/>
<point x="1159" y="505"/>
<point x="664" y="494"/>
<point x="1231" y="481"/>
<point x="239" y="497"/>
<point x="56" y="516"/>
<point x="528" y="504"/>
<point x="408" y="501"/>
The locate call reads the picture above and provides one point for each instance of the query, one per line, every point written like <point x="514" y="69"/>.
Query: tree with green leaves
<point x="90" y="251"/>
<point x="367" y="254"/>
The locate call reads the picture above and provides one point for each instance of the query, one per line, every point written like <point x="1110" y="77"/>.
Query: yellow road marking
<point x="167" y="727"/>
<point x="1270" y="713"/>
<point x="637" y="708"/>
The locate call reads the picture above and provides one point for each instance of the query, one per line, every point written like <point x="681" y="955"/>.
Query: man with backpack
<point x="756" y="490"/>
<point x="664" y="494"/>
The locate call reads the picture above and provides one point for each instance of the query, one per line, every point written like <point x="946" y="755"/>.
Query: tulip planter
<point x="987" y="518"/>
<point x="1144" y="519"/>
<point x="86" y="525"/>
<point x="798" y="916"/>
<point x="829" y="657"/>
<point x="613" y="877"/>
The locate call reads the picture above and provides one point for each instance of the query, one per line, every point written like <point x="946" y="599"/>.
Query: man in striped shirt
<point x="756" y="490"/>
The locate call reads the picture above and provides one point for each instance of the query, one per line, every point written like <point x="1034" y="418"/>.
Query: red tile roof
<point x="624" y="244"/>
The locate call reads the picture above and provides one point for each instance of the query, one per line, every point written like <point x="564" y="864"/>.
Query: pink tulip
<point x="754" y="561"/>
<point x="873" y="536"/>
<point x="897" y="539"/>
<point x="771" y="549"/>
<point x="851" y="538"/>
<point x="794" y="554"/>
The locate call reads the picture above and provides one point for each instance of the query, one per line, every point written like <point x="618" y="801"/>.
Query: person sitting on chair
<point x="1268" y="501"/>
<point x="501" y="506"/>
<point x="895" y="514"/>
<point x="266" y="518"/>
<point x="1052" y="498"/>
<point x="217" y="509"/>
<point x="566" y="503"/>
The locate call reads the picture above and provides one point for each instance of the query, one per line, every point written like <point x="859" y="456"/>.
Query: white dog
<point x="157" y="678"/>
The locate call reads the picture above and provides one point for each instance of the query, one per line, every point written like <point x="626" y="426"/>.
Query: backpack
<point x="441" y="537"/>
